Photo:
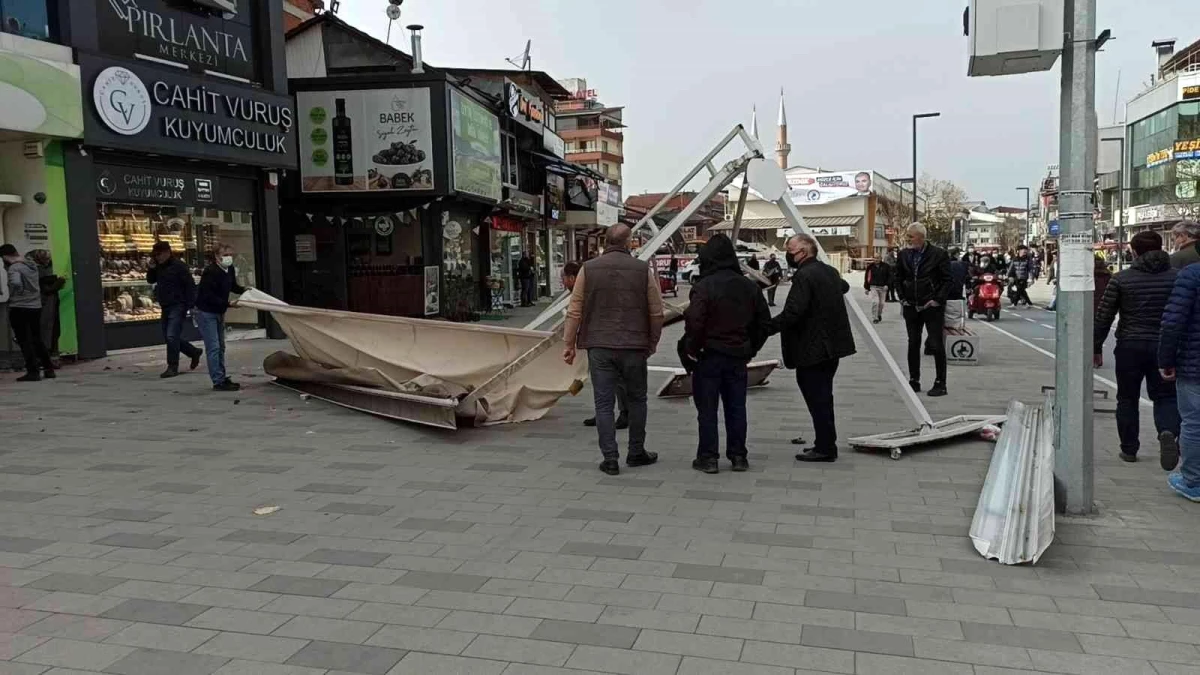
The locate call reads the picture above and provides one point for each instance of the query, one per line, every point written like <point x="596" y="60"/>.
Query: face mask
<point x="226" y="261"/>
<point x="792" y="262"/>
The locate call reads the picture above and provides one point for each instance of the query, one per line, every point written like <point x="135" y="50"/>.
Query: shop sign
<point x="306" y="248"/>
<point x="1053" y="228"/>
<point x="524" y="107"/>
<point x="154" y="110"/>
<point x="1158" y="158"/>
<point x="554" y="144"/>
<point x="1187" y="149"/>
<point x="809" y="189"/>
<point x="841" y="231"/>
<point x="608" y="200"/>
<point x="365" y="140"/>
<point x="1191" y="92"/>
<point x="120" y="184"/>
<point x="476" y="139"/>
<point x="556" y="196"/>
<point x="202" y="40"/>
<point x="524" y="203"/>
<point x="505" y="224"/>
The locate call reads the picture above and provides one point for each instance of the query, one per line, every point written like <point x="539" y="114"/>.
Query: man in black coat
<point x="175" y="290"/>
<point x="815" y="335"/>
<point x="923" y="274"/>
<point x="774" y="274"/>
<point x="877" y="281"/>
<point x="1139" y="294"/>
<point x="725" y="326"/>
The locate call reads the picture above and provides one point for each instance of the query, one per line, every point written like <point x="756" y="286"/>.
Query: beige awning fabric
<point x="781" y="223"/>
<point x="520" y="372"/>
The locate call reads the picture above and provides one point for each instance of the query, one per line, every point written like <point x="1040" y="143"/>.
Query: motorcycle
<point x="986" y="293"/>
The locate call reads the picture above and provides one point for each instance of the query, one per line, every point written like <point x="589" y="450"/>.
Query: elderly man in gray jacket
<point x="25" y="312"/>
<point x="1186" y="236"/>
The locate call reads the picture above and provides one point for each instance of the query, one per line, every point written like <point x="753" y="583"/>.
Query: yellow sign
<point x="1187" y="146"/>
<point x="1191" y="92"/>
<point x="1160" y="157"/>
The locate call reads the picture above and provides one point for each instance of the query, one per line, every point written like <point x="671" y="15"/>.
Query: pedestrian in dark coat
<point x="1179" y="360"/>
<point x="774" y="273"/>
<point x="1139" y="293"/>
<point x="175" y="290"/>
<point x="725" y="325"/>
<point x="924" y="274"/>
<point x="815" y="335"/>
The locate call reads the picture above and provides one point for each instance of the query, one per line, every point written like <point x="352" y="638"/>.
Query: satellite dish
<point x="393" y="12"/>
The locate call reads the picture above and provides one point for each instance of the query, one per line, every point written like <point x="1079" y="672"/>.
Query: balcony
<point x="594" y="156"/>
<point x="589" y="133"/>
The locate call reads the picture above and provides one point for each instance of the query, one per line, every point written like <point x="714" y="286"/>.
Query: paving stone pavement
<point x="128" y="543"/>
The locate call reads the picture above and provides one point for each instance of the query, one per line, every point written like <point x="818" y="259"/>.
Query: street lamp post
<point x="1028" y="223"/>
<point x="914" y="158"/>
<point x="1120" y="214"/>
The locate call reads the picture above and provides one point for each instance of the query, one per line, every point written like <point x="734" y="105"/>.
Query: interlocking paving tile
<point x="771" y="539"/>
<point x="153" y="611"/>
<point x="65" y="653"/>
<point x="22" y="544"/>
<point x="500" y="468"/>
<point x="347" y="657"/>
<point x="581" y="633"/>
<point x="355" y="509"/>
<point x="23" y="496"/>
<point x="176" y="488"/>
<point x="857" y="640"/>
<point x="75" y="583"/>
<point x="239" y="620"/>
<point x="20" y="470"/>
<point x="157" y="636"/>
<point x="622" y="481"/>
<point x="442" y="581"/>
<point x="602" y="550"/>
<point x="431" y="485"/>
<point x="262" y="468"/>
<point x="818" y="511"/>
<point x="1141" y="595"/>
<point x="132" y="540"/>
<point x="732" y="575"/>
<point x="855" y="603"/>
<point x="788" y="484"/>
<point x="119" y="468"/>
<point x="136" y="515"/>
<point x="715" y="496"/>
<point x="331" y="488"/>
<point x="353" y="558"/>
<point x="354" y="466"/>
<point x="331" y="630"/>
<point x="519" y="650"/>
<point x="262" y="537"/>
<point x="256" y="647"/>
<point x="150" y="662"/>
<point x="204" y="452"/>
<point x="593" y="514"/>
<point x="288" y="585"/>
<point x="435" y="525"/>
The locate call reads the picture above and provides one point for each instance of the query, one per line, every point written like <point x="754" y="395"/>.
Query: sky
<point x="853" y="72"/>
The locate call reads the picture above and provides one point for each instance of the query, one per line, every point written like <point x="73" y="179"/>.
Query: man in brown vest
<point x="616" y="314"/>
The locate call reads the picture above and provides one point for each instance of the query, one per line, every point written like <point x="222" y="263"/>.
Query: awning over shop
<point x="565" y="168"/>
<point x="815" y="224"/>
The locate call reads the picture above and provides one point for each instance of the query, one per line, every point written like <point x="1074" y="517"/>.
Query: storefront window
<point x="127" y="234"/>
<point x="27" y="18"/>
<point x="386" y="269"/>
<point x="460" y="240"/>
<point x="506" y="254"/>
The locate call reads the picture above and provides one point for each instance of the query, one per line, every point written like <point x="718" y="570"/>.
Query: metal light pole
<point x="1074" y="467"/>
<point x="1028" y="223"/>
<point x="1120" y="215"/>
<point x="914" y="176"/>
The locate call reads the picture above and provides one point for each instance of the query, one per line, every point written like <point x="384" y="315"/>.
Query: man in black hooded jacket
<point x="725" y="326"/>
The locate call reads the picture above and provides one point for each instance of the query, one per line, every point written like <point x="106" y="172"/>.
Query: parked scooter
<point x="987" y="289"/>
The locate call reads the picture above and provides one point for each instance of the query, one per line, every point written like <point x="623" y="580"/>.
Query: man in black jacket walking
<point x="725" y="326"/>
<point x="877" y="282"/>
<point x="774" y="274"/>
<point x="175" y="290"/>
<point x="923" y="274"/>
<point x="1139" y="293"/>
<point x="815" y="336"/>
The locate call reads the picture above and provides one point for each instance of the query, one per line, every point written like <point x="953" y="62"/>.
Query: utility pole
<point x="1028" y="222"/>
<point x="918" y="116"/>
<point x="1077" y="160"/>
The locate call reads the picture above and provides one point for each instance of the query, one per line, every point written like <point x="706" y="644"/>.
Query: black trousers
<point x="933" y="322"/>
<point x="816" y="385"/>
<point x="27" y="327"/>
<point x="1135" y="362"/>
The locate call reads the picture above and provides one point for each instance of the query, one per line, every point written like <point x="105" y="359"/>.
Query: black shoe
<point x="168" y="373"/>
<point x="811" y="455"/>
<point x="49" y="374"/>
<point x="1168" y="451"/>
<point x="938" y="389"/>
<point x="740" y="464"/>
<point x="799" y="440"/>
<point x="196" y="360"/>
<point x="877" y="321"/>
<point x="707" y="465"/>
<point x="30" y="377"/>
<point x="622" y="421"/>
<point x="589" y="422"/>
<point x="227" y="385"/>
<point x="641" y="459"/>
<point x="1126" y="457"/>
<point x="916" y="385"/>
<point x="610" y="467"/>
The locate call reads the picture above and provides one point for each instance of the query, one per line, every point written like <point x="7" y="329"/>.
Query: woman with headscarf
<point x="51" y="284"/>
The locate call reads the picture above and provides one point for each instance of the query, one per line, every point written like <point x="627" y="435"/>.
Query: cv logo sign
<point x="122" y="101"/>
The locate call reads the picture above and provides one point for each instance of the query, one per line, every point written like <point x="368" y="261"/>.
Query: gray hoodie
<point x="24" y="291"/>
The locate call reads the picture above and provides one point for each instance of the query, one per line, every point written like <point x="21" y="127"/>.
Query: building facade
<point x="593" y="132"/>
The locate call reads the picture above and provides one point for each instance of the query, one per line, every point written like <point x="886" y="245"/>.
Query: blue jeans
<point x="608" y="369"/>
<point x="720" y="379"/>
<point x="212" y="328"/>
<point x="1134" y="362"/>
<point x="172" y="327"/>
<point x="1188" y="396"/>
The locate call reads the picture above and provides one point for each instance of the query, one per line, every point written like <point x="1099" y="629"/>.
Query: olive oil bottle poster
<point x="365" y="140"/>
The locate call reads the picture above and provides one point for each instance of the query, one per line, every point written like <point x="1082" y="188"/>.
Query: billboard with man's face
<point x="808" y="189"/>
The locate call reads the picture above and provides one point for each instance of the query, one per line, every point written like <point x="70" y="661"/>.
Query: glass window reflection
<point x="27" y="18"/>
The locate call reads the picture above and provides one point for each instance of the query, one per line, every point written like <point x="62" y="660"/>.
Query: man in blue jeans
<point x="1139" y="293"/>
<point x="726" y="323"/>
<point x="1179" y="360"/>
<point x="175" y="291"/>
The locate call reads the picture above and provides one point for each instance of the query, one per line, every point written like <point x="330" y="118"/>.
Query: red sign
<point x="506" y="224"/>
<point x="584" y="95"/>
